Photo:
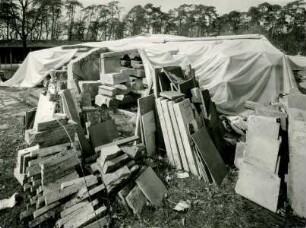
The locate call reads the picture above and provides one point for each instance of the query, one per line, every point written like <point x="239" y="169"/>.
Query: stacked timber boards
<point x="174" y="121"/>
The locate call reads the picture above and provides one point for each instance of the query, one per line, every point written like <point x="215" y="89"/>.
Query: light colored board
<point x="149" y="128"/>
<point x="184" y="115"/>
<point x="178" y="137"/>
<point x="239" y="154"/>
<point x="164" y="131"/>
<point x="172" y="140"/>
<point x="151" y="186"/>
<point x="108" y="153"/>
<point x="262" y="152"/>
<point x="263" y="126"/>
<point x="258" y="186"/>
<point x="45" y="110"/>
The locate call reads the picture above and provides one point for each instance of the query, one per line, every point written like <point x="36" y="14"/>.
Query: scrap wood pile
<point x="78" y="162"/>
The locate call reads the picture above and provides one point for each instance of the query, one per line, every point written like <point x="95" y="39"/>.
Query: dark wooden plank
<point x="151" y="186"/>
<point x="103" y="133"/>
<point x="146" y="104"/>
<point x="210" y="155"/>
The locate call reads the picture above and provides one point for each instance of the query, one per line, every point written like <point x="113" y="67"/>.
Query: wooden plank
<point x="258" y="186"/>
<point x="134" y="151"/>
<point x="82" y="220"/>
<point x="136" y="200"/>
<point x="43" y="210"/>
<point x="185" y="118"/>
<point x="115" y="163"/>
<point x="83" y="211"/>
<point x="73" y="208"/>
<point x="111" y="180"/>
<point x="178" y="137"/>
<point x="210" y="155"/>
<point x="72" y="113"/>
<point x="100" y="223"/>
<point x="151" y="186"/>
<point x="171" y="95"/>
<point x="63" y="193"/>
<point x="83" y="180"/>
<point x="164" y="131"/>
<point x="171" y="135"/>
<point x="103" y="133"/>
<point x="47" y="151"/>
<point x="186" y="86"/>
<point x="45" y="110"/>
<point x="146" y="104"/>
<point x="118" y="142"/>
<point x="52" y="137"/>
<point x="108" y="153"/>
<point x="54" y="123"/>
<point x="149" y="128"/>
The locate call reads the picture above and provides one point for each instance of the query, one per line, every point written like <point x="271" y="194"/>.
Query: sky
<point x="222" y="6"/>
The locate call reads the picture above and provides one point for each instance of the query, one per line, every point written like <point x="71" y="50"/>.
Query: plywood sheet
<point x="210" y="155"/>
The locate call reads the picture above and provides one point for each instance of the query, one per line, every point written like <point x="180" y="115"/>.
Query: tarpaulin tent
<point x="233" y="68"/>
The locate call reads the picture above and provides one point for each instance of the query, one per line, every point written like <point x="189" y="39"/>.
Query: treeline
<point x="34" y="20"/>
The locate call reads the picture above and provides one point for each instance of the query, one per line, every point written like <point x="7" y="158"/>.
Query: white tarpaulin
<point x="37" y="65"/>
<point x="234" y="68"/>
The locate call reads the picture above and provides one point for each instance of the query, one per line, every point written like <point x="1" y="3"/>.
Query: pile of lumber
<point x="188" y="122"/>
<point x="122" y="171"/>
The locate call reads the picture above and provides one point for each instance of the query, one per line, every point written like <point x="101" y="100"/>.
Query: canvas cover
<point x="233" y="68"/>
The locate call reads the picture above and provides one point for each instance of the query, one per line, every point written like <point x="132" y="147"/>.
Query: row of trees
<point x="69" y="19"/>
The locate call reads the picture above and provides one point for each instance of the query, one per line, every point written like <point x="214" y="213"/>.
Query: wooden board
<point x="178" y="137"/>
<point x="136" y="200"/>
<point x="71" y="111"/>
<point x="185" y="118"/>
<point x="151" y="186"/>
<point x="186" y="86"/>
<point x="171" y="95"/>
<point x="164" y="131"/>
<point x="146" y="104"/>
<point x="258" y="186"/>
<point x="210" y="155"/>
<point x="118" y="142"/>
<point x="45" y="110"/>
<point x="103" y="133"/>
<point x="149" y="129"/>
<point x="172" y="139"/>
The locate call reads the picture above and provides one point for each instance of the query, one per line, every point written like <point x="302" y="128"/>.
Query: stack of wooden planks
<point x="188" y="144"/>
<point x="115" y="89"/>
